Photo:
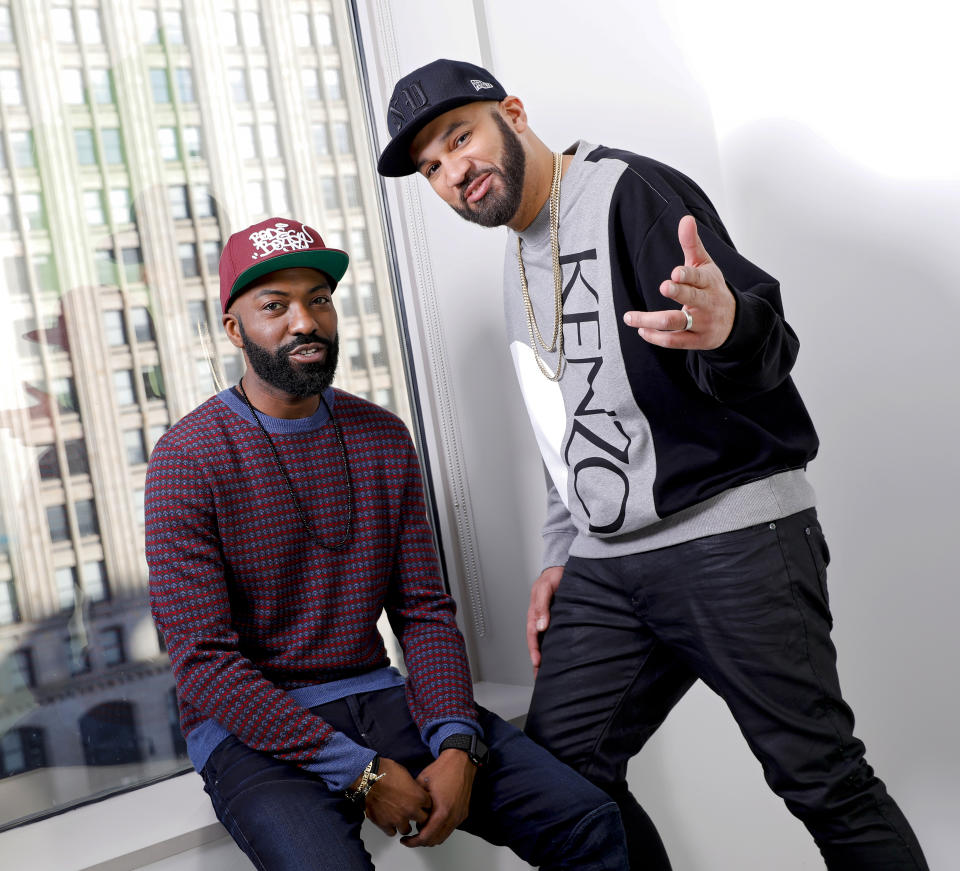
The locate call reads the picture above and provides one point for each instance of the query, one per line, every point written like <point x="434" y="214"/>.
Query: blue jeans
<point x="747" y="613"/>
<point x="283" y="817"/>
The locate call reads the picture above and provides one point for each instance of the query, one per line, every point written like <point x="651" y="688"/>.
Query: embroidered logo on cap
<point x="480" y="85"/>
<point x="270" y="240"/>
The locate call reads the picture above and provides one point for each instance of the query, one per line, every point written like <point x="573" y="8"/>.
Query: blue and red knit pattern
<point x="250" y="604"/>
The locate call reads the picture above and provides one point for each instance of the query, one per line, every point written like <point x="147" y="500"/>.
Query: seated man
<point x="283" y="516"/>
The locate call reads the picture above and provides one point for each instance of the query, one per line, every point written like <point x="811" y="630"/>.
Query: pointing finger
<point x="694" y="254"/>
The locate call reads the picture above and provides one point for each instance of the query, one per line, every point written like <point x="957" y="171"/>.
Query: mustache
<point x="312" y="339"/>
<point x="468" y="180"/>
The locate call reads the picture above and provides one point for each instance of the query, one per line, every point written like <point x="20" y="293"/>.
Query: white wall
<point x="826" y="134"/>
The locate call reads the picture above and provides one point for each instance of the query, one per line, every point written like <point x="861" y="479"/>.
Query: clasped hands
<point x="437" y="801"/>
<point x="700" y="288"/>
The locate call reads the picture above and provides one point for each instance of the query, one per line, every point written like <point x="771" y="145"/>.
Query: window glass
<point x="89" y="705"/>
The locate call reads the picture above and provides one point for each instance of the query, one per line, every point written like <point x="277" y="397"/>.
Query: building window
<point x="333" y="83"/>
<point x="351" y="186"/>
<point x="77" y="654"/>
<point x="343" y="300"/>
<point x="330" y="193"/>
<point x="197" y="316"/>
<point x="369" y="299"/>
<point x="211" y="255"/>
<point x="11" y="88"/>
<point x="114" y="328"/>
<point x="106" y="266"/>
<point x="86" y="154"/>
<point x="90" y="31"/>
<point x="279" y="199"/>
<point x="101" y="86"/>
<point x="159" y="86"/>
<point x="57" y="522"/>
<point x="65" y="579"/>
<point x="8" y="215"/>
<point x="173" y="27"/>
<point x="341" y="135"/>
<point x="95" y="581"/>
<point x="48" y="462"/>
<point x="260" y="81"/>
<point x="6" y="26"/>
<point x="358" y="244"/>
<point x="123" y="387"/>
<point x="252" y="33"/>
<point x="132" y="264"/>
<point x="120" y="206"/>
<point x="31" y="206"/>
<point x="269" y="140"/>
<point x="87" y="521"/>
<point x="167" y="140"/>
<point x="135" y="447"/>
<point x="63" y="391"/>
<point x="321" y="140"/>
<point x="9" y="612"/>
<point x="21" y="142"/>
<point x="256" y="200"/>
<point x="324" y="29"/>
<point x="238" y="85"/>
<point x="378" y="355"/>
<point x="153" y="382"/>
<point x="179" y="204"/>
<point x="204" y="205"/>
<point x="22" y="672"/>
<point x="112" y="145"/>
<point x="310" y="78"/>
<point x="77" y="461"/>
<point x="185" y="85"/>
<point x="192" y="142"/>
<point x="45" y="273"/>
<point x="142" y="324"/>
<point x="301" y="29"/>
<point x="22" y="749"/>
<point x="93" y="208"/>
<point x="71" y="82"/>
<point x="62" y="21"/>
<point x="356" y="355"/>
<point x="384" y="396"/>
<point x="228" y="28"/>
<point x="246" y="142"/>
<point x="187" y="252"/>
<point x="111" y="646"/>
<point x="149" y="27"/>
<point x="157" y="430"/>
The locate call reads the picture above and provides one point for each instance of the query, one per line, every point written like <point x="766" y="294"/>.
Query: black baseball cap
<point x="425" y="94"/>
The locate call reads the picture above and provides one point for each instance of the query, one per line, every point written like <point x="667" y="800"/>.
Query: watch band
<point x="476" y="750"/>
<point x="371" y="774"/>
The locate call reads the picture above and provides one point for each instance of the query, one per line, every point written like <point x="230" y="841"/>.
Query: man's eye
<point x="271" y="306"/>
<point x="432" y="169"/>
<point x="322" y="300"/>
<point x="463" y="137"/>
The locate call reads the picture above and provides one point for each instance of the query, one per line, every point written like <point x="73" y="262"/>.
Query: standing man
<point x="681" y="539"/>
<point x="283" y="517"/>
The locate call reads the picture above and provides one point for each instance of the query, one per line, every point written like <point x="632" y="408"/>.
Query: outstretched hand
<point x="699" y="287"/>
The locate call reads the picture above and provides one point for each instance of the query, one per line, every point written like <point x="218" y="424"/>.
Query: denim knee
<point x="597" y="843"/>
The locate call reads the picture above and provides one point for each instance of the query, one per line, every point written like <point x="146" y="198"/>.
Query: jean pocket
<point x="820" y="554"/>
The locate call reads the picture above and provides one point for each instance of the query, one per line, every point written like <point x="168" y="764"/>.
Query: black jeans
<point x="747" y="613"/>
<point x="286" y="819"/>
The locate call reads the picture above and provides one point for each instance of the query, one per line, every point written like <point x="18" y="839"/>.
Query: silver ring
<point x="689" y="325"/>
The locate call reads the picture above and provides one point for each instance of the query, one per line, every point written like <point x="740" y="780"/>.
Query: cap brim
<point x="395" y="160"/>
<point x="330" y="261"/>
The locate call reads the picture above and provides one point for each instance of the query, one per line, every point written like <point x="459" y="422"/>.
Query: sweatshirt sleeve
<point x="558" y="530"/>
<point x="190" y="602"/>
<point x="761" y="349"/>
<point x="423" y="617"/>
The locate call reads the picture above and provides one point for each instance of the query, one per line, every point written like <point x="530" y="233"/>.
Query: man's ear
<point x="232" y="328"/>
<point x="512" y="110"/>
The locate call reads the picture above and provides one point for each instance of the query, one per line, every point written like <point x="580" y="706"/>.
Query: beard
<point x="295" y="379"/>
<point x="496" y="209"/>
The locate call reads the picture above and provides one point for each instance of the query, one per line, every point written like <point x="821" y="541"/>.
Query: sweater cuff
<point x="437" y="731"/>
<point x="556" y="549"/>
<point x="341" y="762"/>
<point x="751" y="327"/>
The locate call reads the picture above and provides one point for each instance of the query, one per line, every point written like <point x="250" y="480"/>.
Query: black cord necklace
<point x="341" y="544"/>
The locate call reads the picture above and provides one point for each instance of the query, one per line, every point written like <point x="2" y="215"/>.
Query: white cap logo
<point x="479" y="85"/>
<point x="279" y="237"/>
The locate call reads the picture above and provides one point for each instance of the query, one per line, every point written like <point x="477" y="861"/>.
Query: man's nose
<point x="457" y="170"/>
<point x="301" y="320"/>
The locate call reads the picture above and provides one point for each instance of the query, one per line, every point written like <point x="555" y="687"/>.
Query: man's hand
<point x="449" y="780"/>
<point x="699" y="287"/>
<point x="396" y="800"/>
<point x="538" y="614"/>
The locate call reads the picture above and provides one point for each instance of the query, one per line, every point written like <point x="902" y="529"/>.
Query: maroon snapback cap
<point x="276" y="243"/>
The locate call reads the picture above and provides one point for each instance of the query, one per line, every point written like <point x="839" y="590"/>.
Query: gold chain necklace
<point x="536" y="340"/>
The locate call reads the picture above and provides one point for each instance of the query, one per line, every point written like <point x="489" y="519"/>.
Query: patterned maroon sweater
<point x="252" y="608"/>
